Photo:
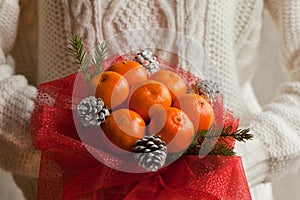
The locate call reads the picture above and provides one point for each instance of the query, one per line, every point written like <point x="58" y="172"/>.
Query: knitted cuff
<point x="255" y="160"/>
<point x="17" y="158"/>
<point x="27" y="185"/>
<point x="16" y="104"/>
<point x="5" y="72"/>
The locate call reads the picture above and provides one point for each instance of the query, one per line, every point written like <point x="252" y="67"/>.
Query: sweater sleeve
<point x="275" y="150"/>
<point x="16" y="102"/>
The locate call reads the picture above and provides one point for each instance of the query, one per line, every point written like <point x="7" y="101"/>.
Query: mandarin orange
<point x="172" y="80"/>
<point x="111" y="87"/>
<point x="145" y="95"/>
<point x="174" y="127"/>
<point x="198" y="109"/>
<point x="133" y="71"/>
<point x="123" y="128"/>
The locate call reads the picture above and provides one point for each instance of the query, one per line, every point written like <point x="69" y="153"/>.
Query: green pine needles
<point x="215" y="141"/>
<point x="99" y="57"/>
<point x="76" y="50"/>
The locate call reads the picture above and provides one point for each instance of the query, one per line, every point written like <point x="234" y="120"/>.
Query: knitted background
<point x="228" y="30"/>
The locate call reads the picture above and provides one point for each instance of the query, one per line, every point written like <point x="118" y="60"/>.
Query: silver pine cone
<point x="149" y="61"/>
<point x="150" y="152"/>
<point x="92" y="111"/>
<point x="208" y="89"/>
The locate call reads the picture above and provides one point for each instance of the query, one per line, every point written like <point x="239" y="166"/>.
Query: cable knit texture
<point x="16" y="103"/>
<point x="228" y="30"/>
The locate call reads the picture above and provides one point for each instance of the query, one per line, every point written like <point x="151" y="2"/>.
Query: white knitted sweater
<point x="229" y="31"/>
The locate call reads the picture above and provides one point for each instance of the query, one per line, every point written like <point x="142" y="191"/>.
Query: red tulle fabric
<point x="69" y="171"/>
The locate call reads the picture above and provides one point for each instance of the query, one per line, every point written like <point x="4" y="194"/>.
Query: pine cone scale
<point x="150" y="152"/>
<point x="92" y="111"/>
<point x="146" y="59"/>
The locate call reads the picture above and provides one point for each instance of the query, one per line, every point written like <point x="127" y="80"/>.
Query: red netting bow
<point x="69" y="171"/>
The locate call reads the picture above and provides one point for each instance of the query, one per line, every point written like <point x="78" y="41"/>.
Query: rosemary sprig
<point x="99" y="57"/>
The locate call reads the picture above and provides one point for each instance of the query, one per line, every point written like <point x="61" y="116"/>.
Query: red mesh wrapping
<point x="68" y="171"/>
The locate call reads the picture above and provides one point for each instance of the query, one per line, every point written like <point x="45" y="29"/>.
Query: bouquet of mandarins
<point x="135" y="127"/>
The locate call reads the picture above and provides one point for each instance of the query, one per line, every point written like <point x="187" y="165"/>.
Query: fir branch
<point x="240" y="135"/>
<point x="215" y="141"/>
<point x="99" y="57"/>
<point x="216" y="149"/>
<point x="222" y="150"/>
<point x="76" y="50"/>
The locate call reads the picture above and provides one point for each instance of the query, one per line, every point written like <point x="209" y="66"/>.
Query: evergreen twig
<point x="214" y="140"/>
<point x="222" y="149"/>
<point x="76" y="50"/>
<point x="99" y="57"/>
<point x="78" y="53"/>
<point x="240" y="135"/>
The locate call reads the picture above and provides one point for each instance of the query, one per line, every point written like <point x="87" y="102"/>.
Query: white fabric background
<point x="269" y="75"/>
